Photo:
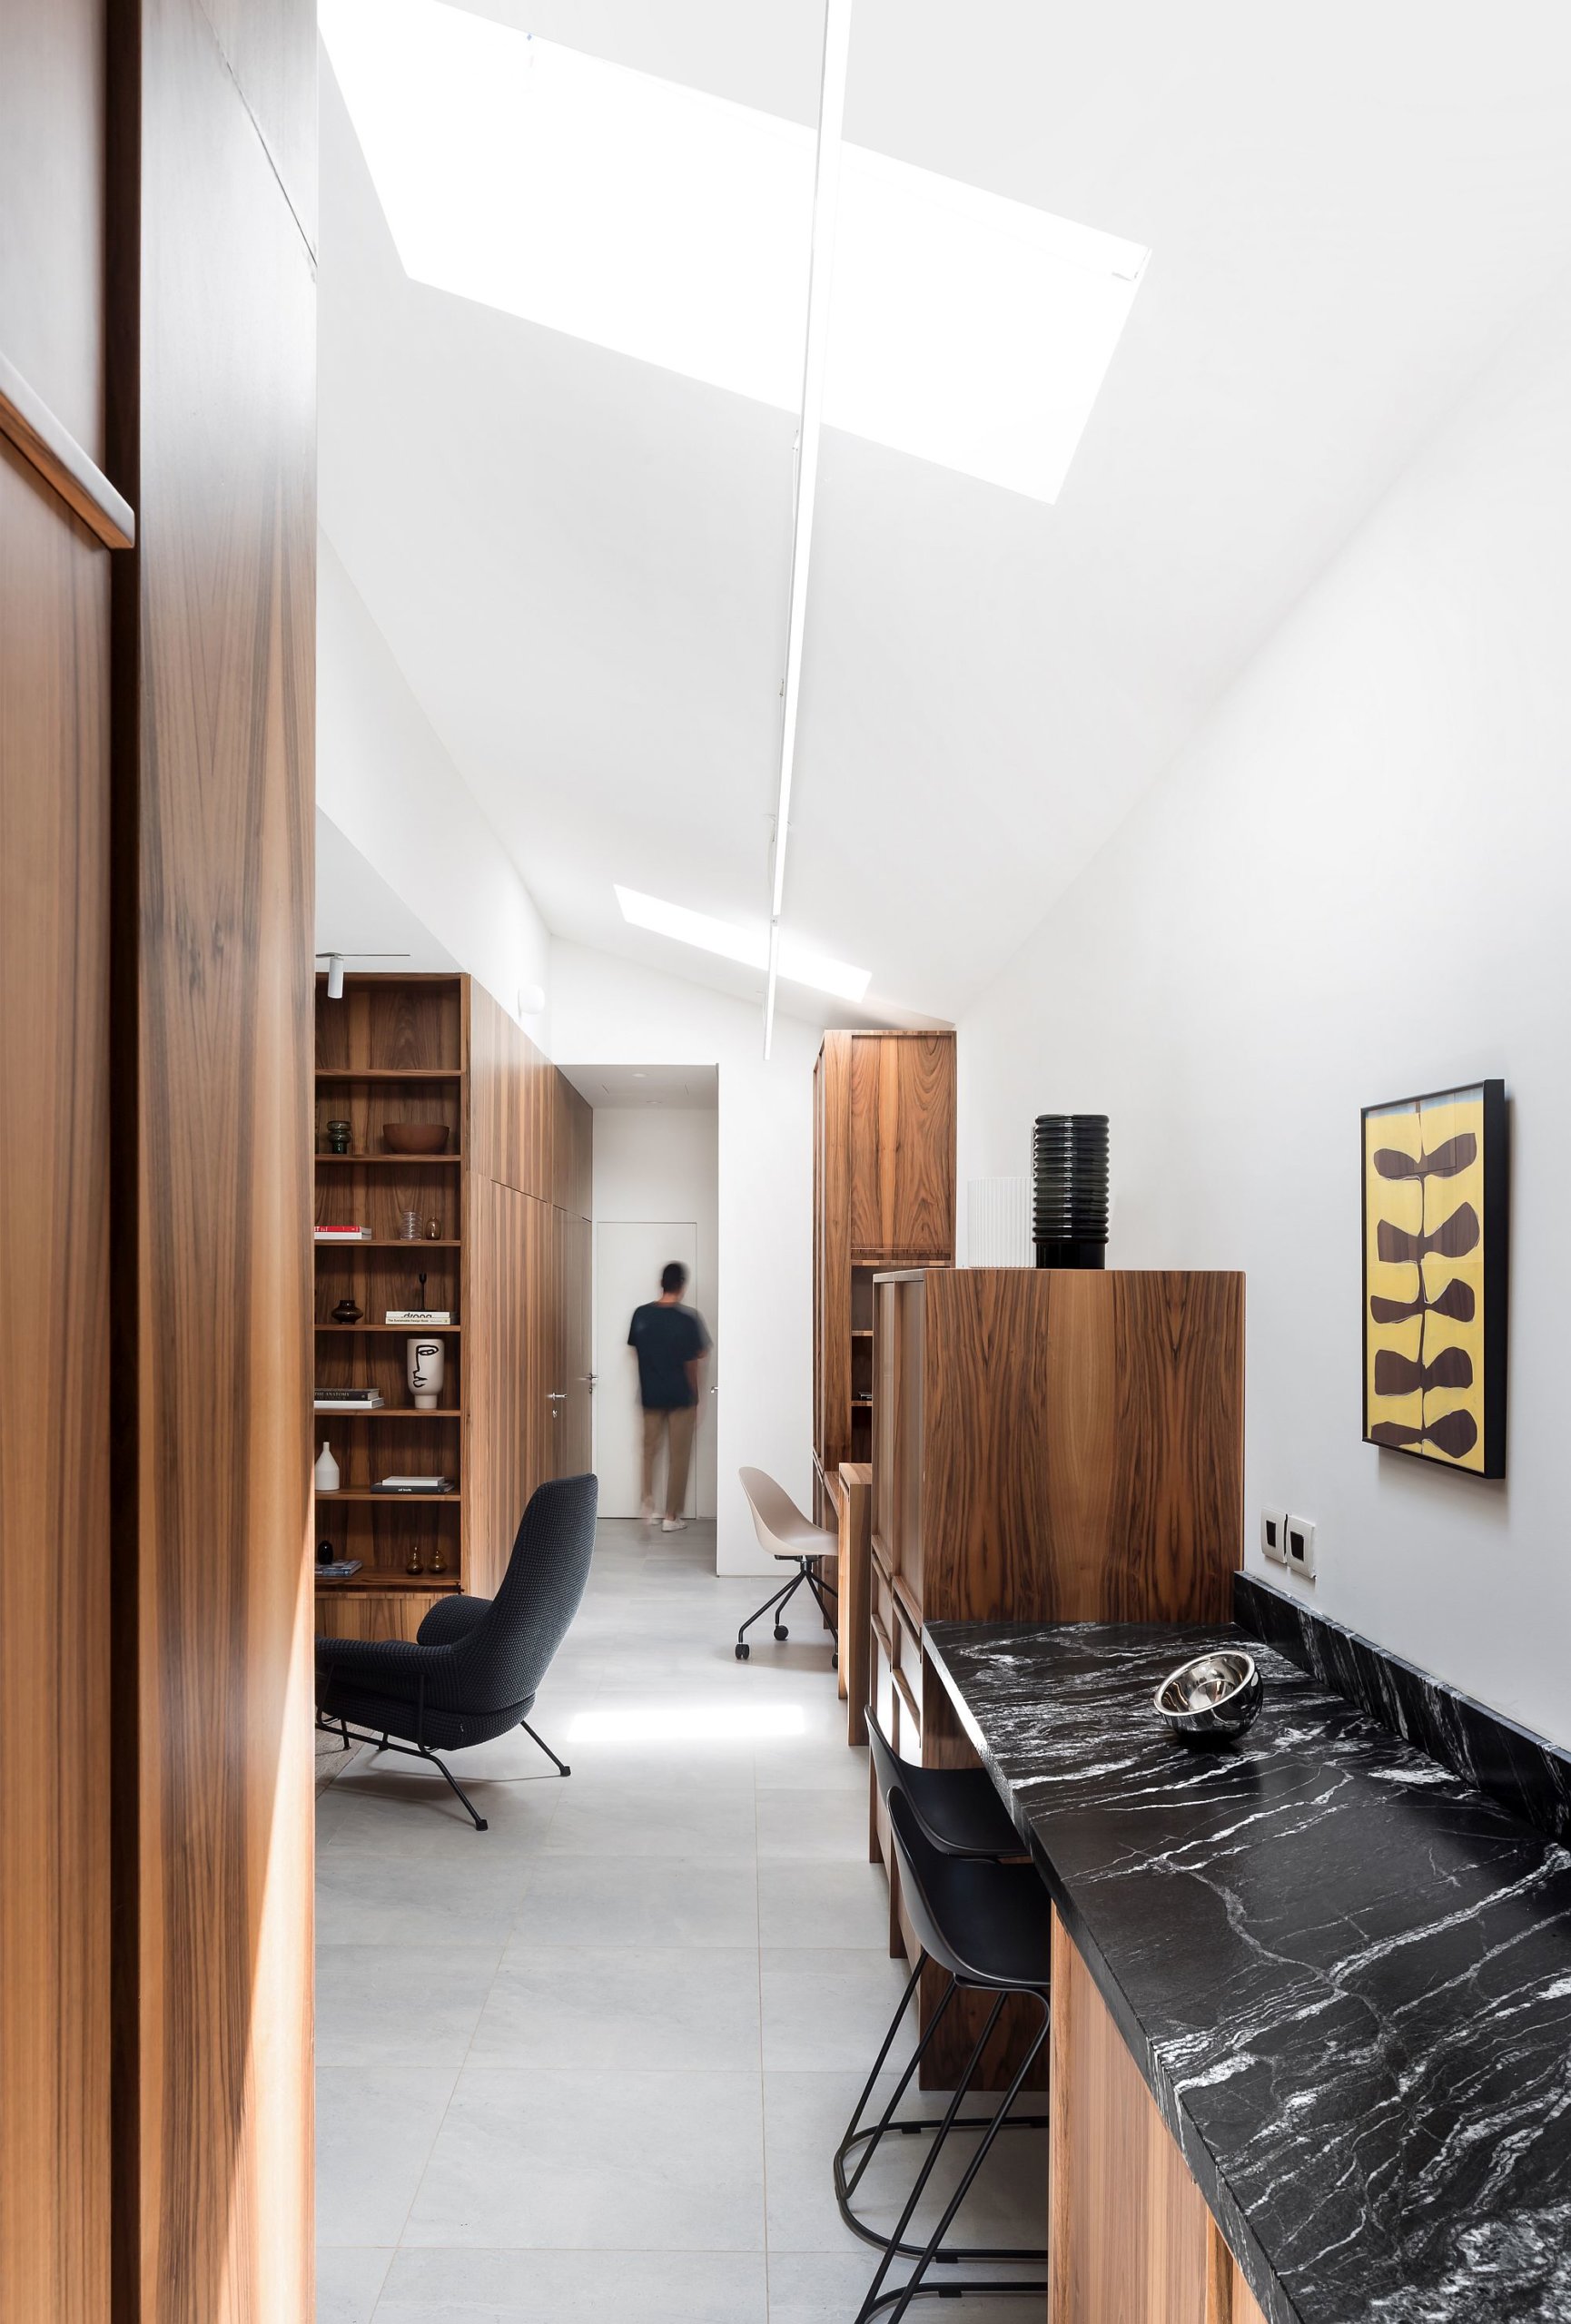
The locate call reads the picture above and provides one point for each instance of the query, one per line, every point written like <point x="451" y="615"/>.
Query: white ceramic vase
<point x="326" y="1469"/>
<point x="426" y="1364"/>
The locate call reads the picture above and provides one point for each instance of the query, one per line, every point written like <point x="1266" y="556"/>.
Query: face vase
<point x="425" y="1364"/>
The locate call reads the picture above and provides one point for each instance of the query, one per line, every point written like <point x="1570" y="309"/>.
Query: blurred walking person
<point x="670" y="1343"/>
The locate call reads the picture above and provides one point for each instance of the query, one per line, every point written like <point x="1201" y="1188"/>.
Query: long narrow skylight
<point x="798" y="963"/>
<point x="674" y="227"/>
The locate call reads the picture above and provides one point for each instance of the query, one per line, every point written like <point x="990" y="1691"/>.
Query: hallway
<point x="592" y="2064"/>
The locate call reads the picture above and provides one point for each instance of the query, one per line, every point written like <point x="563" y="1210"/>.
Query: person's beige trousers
<point x="677" y="1427"/>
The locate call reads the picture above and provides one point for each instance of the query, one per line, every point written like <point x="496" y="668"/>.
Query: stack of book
<point x="348" y="1400"/>
<point x="342" y="1233"/>
<point x="414" y="1484"/>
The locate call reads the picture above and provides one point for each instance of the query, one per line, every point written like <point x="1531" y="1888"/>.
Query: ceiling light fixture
<point x="798" y="964"/>
<point x="335" y="961"/>
<point x="677" y="228"/>
<point x="814" y="360"/>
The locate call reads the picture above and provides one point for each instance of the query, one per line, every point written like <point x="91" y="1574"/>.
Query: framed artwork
<point x="1434" y="1216"/>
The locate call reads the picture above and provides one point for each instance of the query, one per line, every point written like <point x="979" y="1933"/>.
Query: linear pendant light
<point x="820" y="279"/>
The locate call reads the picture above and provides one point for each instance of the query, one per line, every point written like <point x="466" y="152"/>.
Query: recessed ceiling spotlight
<point x="675" y="227"/>
<point x="798" y="965"/>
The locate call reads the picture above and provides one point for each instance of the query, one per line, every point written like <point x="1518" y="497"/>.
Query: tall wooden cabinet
<point x="883" y="1196"/>
<point x="1048" y="1446"/>
<point x="509" y="1262"/>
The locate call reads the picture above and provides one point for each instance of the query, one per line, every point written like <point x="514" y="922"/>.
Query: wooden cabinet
<point x="1048" y="1446"/>
<point x="508" y="1265"/>
<point x="884" y="1196"/>
<point x="1129" y="2231"/>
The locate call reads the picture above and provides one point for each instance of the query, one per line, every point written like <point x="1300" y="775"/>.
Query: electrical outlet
<point x="1274" y="1535"/>
<point x="1301" y="1546"/>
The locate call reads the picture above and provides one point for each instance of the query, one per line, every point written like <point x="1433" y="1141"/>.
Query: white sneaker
<point x="673" y="1525"/>
<point x="648" y="1513"/>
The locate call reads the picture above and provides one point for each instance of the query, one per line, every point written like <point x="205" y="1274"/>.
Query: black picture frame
<point x="1494" y="1212"/>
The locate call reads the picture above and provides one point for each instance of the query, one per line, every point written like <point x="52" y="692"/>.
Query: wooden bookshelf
<point x="392" y="1049"/>
<point x="884" y="1196"/>
<point x="510" y="1263"/>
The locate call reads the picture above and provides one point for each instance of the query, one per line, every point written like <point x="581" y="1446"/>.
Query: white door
<point x="629" y="1257"/>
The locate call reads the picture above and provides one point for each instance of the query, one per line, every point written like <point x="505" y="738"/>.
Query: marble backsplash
<point x="1524" y="1772"/>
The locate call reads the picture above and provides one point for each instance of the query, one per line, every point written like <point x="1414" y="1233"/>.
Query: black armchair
<point x="474" y="1668"/>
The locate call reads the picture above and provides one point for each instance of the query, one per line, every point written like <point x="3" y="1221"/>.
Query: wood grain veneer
<point x="1128" y="2229"/>
<point x="902" y="1103"/>
<point x="572" y="1149"/>
<point x="55" y="1742"/>
<point x="503" y="1437"/>
<point x="884" y="1196"/>
<point x="214" y="417"/>
<point x="55" y="1491"/>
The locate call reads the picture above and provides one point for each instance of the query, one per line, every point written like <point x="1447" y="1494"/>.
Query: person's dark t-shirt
<point x="667" y="1339"/>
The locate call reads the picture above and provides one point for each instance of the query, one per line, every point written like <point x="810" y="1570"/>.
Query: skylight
<point x="798" y="965"/>
<point x="674" y="227"/>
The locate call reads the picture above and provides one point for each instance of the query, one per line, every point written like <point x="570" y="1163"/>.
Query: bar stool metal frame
<point x="958" y="1814"/>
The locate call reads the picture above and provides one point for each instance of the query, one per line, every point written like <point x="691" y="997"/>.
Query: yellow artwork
<point x="1435" y="1277"/>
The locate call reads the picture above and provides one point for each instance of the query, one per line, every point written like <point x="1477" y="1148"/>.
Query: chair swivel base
<point x="778" y="1603"/>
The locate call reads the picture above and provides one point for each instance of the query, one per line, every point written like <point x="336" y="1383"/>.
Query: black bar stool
<point x="989" y="1926"/>
<point x="960" y="1816"/>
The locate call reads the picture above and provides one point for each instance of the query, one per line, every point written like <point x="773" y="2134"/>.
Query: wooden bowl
<point x="415" y="1137"/>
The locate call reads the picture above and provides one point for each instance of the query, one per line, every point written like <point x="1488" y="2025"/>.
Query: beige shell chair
<point x="785" y="1534"/>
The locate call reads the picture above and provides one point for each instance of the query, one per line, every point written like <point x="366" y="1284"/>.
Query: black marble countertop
<point x="1345" y="1974"/>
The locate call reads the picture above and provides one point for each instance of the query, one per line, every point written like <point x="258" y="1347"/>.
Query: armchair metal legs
<point x="560" y="1764"/>
<point x="409" y="1751"/>
<point x="806" y="1572"/>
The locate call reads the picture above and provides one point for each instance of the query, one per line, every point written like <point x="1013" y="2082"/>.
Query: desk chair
<point x="786" y="1534"/>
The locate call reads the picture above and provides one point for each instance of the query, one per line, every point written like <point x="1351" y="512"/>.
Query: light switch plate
<point x="1274" y="1535"/>
<point x="1301" y="1546"/>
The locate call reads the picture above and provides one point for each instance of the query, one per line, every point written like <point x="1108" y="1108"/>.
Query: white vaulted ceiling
<point x="580" y="560"/>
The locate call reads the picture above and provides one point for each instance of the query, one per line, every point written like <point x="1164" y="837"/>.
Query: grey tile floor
<point x="593" y="2062"/>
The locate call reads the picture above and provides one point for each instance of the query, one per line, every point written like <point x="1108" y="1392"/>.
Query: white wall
<point x="1354" y="887"/>
<point x="607" y="1011"/>
<point x="657" y="1163"/>
<point x="383" y="778"/>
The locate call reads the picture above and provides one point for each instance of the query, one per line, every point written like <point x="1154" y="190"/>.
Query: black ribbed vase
<point x="1068" y="1178"/>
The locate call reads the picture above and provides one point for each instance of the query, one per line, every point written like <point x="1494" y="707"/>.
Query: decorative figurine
<point x="338" y="1138"/>
<point x="439" y="1559"/>
<point x="434" y="1230"/>
<point x="324" y="1553"/>
<point x="327" y="1471"/>
<point x="425" y="1364"/>
<point x="414" y="1565"/>
<point x="346" y="1312"/>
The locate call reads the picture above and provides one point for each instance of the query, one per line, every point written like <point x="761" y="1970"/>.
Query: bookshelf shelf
<point x="400" y="1413"/>
<point x="404" y="1330"/>
<point x="400" y="1499"/>
<point x="388" y="1161"/>
<point x="388" y="1243"/>
<point x="372" y="1073"/>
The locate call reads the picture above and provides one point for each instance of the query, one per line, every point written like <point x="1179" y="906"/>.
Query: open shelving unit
<point x="392" y="1049"/>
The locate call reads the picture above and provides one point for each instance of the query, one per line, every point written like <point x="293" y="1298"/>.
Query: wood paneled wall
<point x="214" y="428"/>
<point x="1081" y="1445"/>
<point x="1128" y="2232"/>
<point x="55" y="1183"/>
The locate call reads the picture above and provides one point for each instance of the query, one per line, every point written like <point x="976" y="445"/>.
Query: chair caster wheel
<point x="781" y="1632"/>
<point x="743" y="1650"/>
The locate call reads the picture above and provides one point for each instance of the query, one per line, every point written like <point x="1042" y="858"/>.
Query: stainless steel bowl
<point x="1214" y="1697"/>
